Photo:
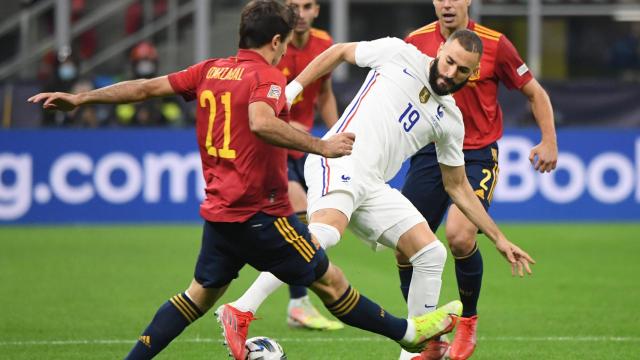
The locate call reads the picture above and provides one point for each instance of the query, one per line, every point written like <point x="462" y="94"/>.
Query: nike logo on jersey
<point x="345" y="178"/>
<point x="256" y="225"/>
<point x="407" y="72"/>
<point x="429" y="307"/>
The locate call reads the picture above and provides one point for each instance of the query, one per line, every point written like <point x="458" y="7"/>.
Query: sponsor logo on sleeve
<point x="274" y="92"/>
<point x="522" y="69"/>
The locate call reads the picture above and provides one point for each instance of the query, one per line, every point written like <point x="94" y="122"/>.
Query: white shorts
<point x="378" y="214"/>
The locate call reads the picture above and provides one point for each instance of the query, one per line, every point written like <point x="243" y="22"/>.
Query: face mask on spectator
<point x="67" y="72"/>
<point x="145" y="68"/>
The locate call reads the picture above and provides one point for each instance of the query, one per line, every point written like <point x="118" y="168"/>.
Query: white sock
<point x="299" y="301"/>
<point x="426" y="280"/>
<point x="255" y="295"/>
<point x="411" y="331"/>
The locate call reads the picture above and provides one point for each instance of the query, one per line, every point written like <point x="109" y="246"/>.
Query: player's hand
<point x="519" y="259"/>
<point x="55" y="101"/>
<point x="544" y="156"/>
<point x="338" y="145"/>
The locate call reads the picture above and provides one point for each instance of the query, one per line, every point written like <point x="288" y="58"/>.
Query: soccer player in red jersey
<point x="307" y="43"/>
<point x="482" y="117"/>
<point x="248" y="217"/>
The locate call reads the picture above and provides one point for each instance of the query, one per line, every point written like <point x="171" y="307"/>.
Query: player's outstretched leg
<point x="301" y="313"/>
<point x="354" y="309"/>
<point x="172" y="318"/>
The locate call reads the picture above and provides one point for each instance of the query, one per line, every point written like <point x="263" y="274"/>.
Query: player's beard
<point x="434" y="75"/>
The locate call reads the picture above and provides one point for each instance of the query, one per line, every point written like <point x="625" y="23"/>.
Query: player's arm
<point x="543" y="156"/>
<point x="264" y="123"/>
<point x="320" y="66"/>
<point x="457" y="186"/>
<point x="122" y="92"/>
<point x="327" y="105"/>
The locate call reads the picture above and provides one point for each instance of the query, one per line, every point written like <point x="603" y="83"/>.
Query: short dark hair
<point x="468" y="39"/>
<point x="261" y="20"/>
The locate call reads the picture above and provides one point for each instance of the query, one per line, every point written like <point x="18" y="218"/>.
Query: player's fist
<point x="544" y="156"/>
<point x="338" y="145"/>
<point x="55" y="101"/>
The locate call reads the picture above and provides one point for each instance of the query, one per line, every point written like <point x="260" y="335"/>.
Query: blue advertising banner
<point x="154" y="175"/>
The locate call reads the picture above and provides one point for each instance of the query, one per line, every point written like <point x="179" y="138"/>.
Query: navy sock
<point x="356" y="310"/>
<point x="296" y="292"/>
<point x="405" y="271"/>
<point x="170" y="320"/>
<point x="469" y="276"/>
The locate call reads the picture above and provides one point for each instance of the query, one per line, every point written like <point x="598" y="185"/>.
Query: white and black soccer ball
<point x="264" y="348"/>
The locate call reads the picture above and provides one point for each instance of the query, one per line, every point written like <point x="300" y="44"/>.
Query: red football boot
<point x="435" y="350"/>
<point x="466" y="338"/>
<point x="235" y="326"/>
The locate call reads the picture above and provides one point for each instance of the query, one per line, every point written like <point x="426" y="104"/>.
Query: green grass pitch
<point x="87" y="292"/>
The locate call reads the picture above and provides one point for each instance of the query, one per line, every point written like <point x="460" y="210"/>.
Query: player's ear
<point x="275" y="41"/>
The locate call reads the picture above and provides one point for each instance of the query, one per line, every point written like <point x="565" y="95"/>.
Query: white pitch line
<point x="330" y="339"/>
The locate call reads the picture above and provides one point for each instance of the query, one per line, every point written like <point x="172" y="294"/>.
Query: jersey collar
<point x="470" y="25"/>
<point x="246" y="54"/>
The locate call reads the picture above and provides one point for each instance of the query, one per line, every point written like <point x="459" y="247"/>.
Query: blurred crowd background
<point x="585" y="52"/>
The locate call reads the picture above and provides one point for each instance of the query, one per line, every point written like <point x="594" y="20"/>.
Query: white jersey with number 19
<point x="394" y="114"/>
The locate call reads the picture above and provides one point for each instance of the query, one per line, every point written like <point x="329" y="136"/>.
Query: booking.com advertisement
<point x="120" y="176"/>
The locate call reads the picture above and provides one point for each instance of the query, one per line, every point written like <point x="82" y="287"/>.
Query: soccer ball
<point x="264" y="348"/>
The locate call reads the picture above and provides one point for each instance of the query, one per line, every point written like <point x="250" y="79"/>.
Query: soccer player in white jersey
<point x="403" y="105"/>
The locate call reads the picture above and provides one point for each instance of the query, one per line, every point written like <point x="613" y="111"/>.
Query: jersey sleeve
<point x="270" y="89"/>
<point x="186" y="82"/>
<point x="510" y="67"/>
<point x="373" y="54"/>
<point x="449" y="147"/>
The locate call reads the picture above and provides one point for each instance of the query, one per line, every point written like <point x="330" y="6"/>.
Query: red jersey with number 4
<point x="243" y="174"/>
<point x="292" y="64"/>
<point x="478" y="100"/>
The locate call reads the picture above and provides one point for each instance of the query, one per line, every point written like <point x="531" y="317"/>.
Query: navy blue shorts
<point x="424" y="188"/>
<point x="279" y="245"/>
<point x="295" y="170"/>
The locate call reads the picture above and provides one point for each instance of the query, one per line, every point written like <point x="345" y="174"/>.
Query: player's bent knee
<point x="461" y="243"/>
<point x="326" y="235"/>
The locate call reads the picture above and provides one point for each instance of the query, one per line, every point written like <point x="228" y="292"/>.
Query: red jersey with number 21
<point x="243" y="174"/>
<point x="478" y="100"/>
